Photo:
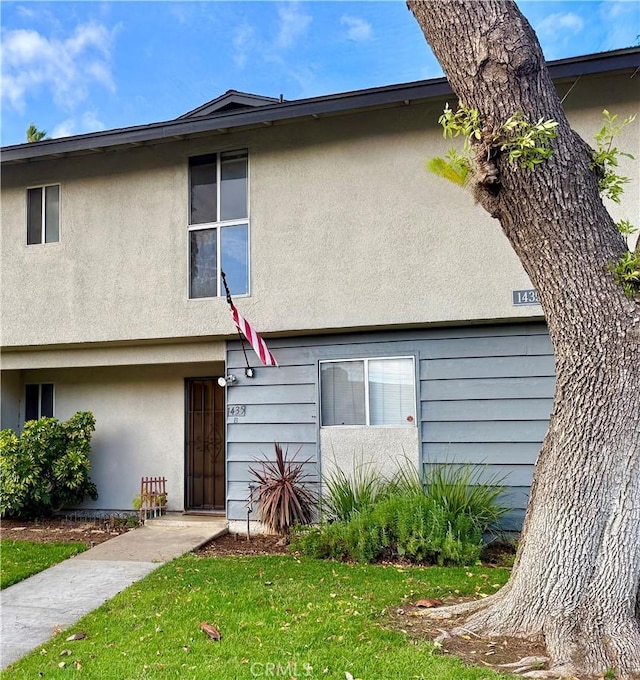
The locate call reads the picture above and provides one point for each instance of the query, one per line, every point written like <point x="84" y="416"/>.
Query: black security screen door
<point x="205" y="464"/>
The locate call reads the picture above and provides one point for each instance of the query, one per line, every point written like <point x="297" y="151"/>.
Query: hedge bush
<point x="46" y="467"/>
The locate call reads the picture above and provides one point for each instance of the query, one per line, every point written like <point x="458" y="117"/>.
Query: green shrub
<point x="47" y="466"/>
<point x="440" y="523"/>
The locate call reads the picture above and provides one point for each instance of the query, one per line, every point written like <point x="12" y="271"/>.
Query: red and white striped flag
<point x="258" y="344"/>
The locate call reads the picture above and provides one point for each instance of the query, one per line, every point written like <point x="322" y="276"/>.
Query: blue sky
<point x="75" y="67"/>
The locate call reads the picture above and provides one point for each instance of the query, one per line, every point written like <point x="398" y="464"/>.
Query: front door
<point x="205" y="456"/>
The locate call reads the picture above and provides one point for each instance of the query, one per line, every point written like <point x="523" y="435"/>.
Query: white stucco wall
<point x="141" y="354"/>
<point x="139" y="415"/>
<point x="10" y="398"/>
<point x="380" y="449"/>
<point x="347" y="231"/>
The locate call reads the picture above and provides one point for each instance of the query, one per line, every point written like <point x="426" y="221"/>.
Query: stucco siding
<point x="10" y="398"/>
<point x="139" y="413"/>
<point x="347" y="231"/>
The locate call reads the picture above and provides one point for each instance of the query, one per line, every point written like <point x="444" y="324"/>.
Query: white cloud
<point x="557" y="24"/>
<point x="612" y="9"/>
<point x="64" y="129"/>
<point x="67" y="67"/>
<point x="25" y="12"/>
<point x="621" y="20"/>
<point x="358" y="30"/>
<point x="293" y="25"/>
<point x="87" y="122"/>
<point x="242" y="40"/>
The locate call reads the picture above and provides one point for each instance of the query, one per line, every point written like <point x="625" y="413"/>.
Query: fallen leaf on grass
<point x="77" y="636"/>
<point x="210" y="630"/>
<point x="429" y="603"/>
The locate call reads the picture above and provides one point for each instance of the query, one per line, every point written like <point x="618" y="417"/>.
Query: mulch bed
<point x="490" y="652"/>
<point x="238" y="544"/>
<point x="62" y="530"/>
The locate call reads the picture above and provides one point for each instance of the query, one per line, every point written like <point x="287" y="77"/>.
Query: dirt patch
<point x="238" y="544"/>
<point x="62" y="530"/>
<point x="490" y="652"/>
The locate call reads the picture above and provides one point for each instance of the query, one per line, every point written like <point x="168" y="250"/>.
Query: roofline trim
<point x="606" y="62"/>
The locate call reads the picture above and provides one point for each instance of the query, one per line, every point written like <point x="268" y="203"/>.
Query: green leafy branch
<point x="454" y="166"/>
<point x="626" y="272"/>
<point x="605" y="157"/>
<point x="526" y="144"/>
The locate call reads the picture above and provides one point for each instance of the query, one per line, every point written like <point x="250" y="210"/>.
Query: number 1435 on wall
<point x="525" y="297"/>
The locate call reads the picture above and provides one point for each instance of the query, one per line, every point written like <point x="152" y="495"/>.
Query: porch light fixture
<point x="226" y="380"/>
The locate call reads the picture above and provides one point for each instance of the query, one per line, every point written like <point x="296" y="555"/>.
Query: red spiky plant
<point x="282" y="494"/>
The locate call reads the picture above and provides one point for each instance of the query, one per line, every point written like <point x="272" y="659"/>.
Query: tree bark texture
<point x="577" y="573"/>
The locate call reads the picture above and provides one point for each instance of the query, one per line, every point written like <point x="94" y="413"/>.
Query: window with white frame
<point x="377" y="391"/>
<point x="218" y="223"/>
<point x="43" y="214"/>
<point x="38" y="402"/>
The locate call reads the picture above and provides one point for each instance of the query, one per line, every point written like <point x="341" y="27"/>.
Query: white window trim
<point x="218" y="225"/>
<point x="43" y="226"/>
<point x="366" y="361"/>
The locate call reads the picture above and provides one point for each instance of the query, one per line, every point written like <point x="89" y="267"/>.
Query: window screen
<point x="368" y="392"/>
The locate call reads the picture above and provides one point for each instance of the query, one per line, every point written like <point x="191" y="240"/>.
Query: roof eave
<point x="608" y="62"/>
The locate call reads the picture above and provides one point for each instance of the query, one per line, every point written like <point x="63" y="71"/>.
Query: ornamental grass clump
<point x="439" y="522"/>
<point x="348" y="494"/>
<point x="282" y="494"/>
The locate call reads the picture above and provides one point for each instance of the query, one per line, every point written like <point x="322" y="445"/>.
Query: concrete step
<point x="180" y="520"/>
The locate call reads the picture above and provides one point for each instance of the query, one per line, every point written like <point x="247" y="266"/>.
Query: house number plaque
<point x="525" y="297"/>
<point x="236" y="410"/>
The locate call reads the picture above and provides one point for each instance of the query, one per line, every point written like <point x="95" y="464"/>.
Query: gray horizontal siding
<point x="489" y="404"/>
<point x="485" y="431"/>
<point x="484" y="409"/>
<point x="265" y="394"/>
<point x="261" y="433"/>
<point x="488" y="367"/>
<point x="479" y="388"/>
<point x="244" y="452"/>
<point x="506" y="346"/>
<point x="281" y="413"/>
<point x="280" y="406"/>
<point x="496" y="453"/>
<point x="485" y="397"/>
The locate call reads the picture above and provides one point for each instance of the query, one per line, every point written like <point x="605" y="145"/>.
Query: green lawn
<point x="279" y="617"/>
<point x="20" y="559"/>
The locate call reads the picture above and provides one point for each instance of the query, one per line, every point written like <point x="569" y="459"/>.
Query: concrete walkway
<point x="32" y="610"/>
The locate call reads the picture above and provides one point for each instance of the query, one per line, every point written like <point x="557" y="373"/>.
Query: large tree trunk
<point x="577" y="574"/>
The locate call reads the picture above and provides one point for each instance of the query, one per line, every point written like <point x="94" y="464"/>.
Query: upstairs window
<point x="43" y="214"/>
<point x="38" y="401"/>
<point x="218" y="224"/>
<point x="368" y="392"/>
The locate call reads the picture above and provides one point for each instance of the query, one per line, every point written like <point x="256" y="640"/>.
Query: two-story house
<point x="403" y="325"/>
